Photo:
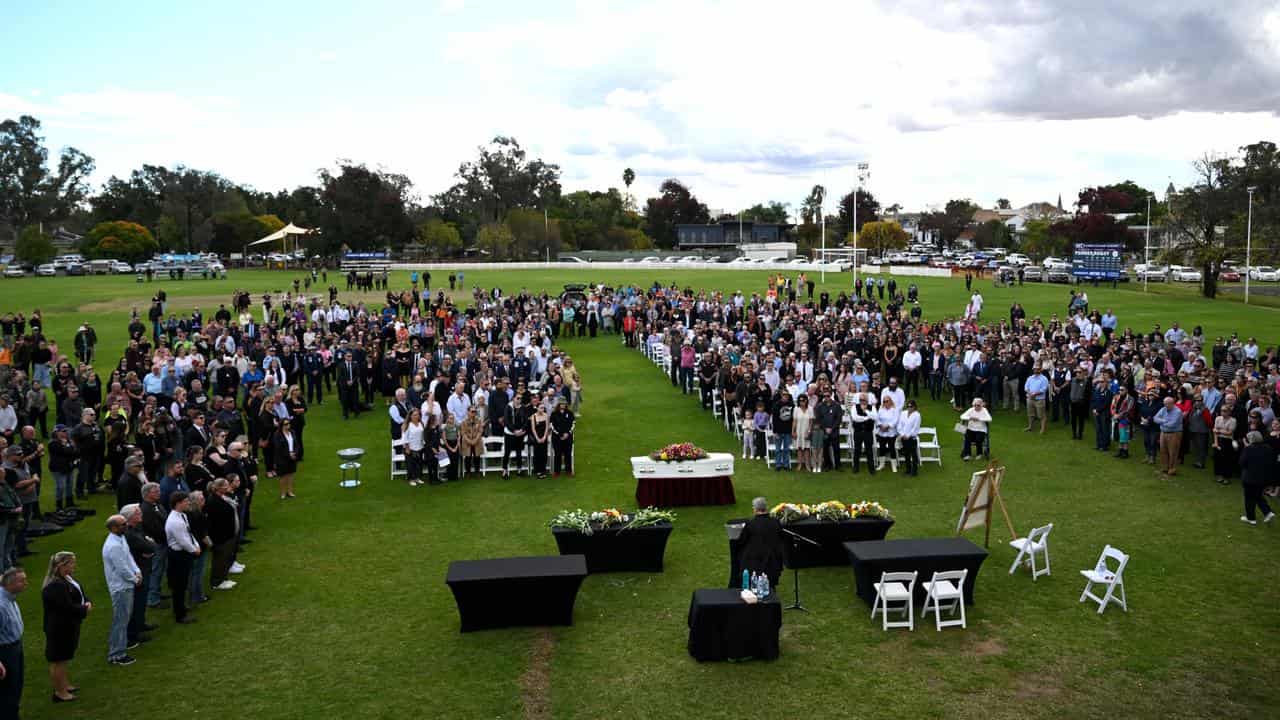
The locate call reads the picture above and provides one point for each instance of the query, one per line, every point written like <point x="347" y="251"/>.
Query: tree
<point x="674" y="205"/>
<point x="534" y="235"/>
<point x="951" y="221"/>
<point x="364" y="209"/>
<point x="628" y="177"/>
<point x="30" y="192"/>
<point x="440" y="238"/>
<point x="495" y="240"/>
<point x="774" y="212"/>
<point x="1003" y="204"/>
<point x="34" y="246"/>
<point x="119" y="240"/>
<point x="500" y="180"/>
<point x="877" y="237"/>
<point x="1196" y="213"/>
<point x="232" y="232"/>
<point x="1094" y="228"/>
<point x="1039" y="242"/>
<point x="811" y="208"/>
<point x="868" y="211"/>
<point x="991" y="234"/>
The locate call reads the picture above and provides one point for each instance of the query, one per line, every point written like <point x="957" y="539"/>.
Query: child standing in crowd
<point x="748" y="433"/>
<point x="760" y="424"/>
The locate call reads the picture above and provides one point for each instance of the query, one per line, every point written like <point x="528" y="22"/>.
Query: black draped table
<point x="614" y="549"/>
<point x="830" y="535"/>
<point x="925" y="556"/>
<point x="671" y="492"/>
<point x="503" y="592"/>
<point x="723" y="627"/>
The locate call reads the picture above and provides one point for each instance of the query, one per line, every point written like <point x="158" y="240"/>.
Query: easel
<point x="984" y="491"/>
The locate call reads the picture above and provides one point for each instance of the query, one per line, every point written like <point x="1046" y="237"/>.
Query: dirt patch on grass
<point x="1037" y="686"/>
<point x="535" y="682"/>
<point x="987" y="648"/>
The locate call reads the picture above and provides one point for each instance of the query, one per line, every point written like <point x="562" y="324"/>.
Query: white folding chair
<point x="768" y="447"/>
<point x="945" y="587"/>
<point x="1101" y="574"/>
<point x="928" y="449"/>
<point x="1036" y="542"/>
<point x="896" y="587"/>
<point x="399" y="465"/>
<point x="491" y="454"/>
<point x="716" y="406"/>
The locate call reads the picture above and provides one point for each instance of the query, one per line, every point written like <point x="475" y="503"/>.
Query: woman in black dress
<point x="297" y="407"/>
<point x="65" y="608"/>
<point x="763" y="547"/>
<point x="284" y="453"/>
<point x="389" y="376"/>
<point x="264" y="430"/>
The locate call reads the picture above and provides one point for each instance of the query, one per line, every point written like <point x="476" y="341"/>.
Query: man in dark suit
<point x="1257" y="470"/>
<point x="223" y="532"/>
<point x="198" y="434"/>
<point x="350" y="375"/>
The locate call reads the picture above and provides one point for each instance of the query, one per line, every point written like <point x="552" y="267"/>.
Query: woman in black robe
<point x="763" y="546"/>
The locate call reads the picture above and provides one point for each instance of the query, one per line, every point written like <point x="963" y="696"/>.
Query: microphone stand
<point x="795" y="571"/>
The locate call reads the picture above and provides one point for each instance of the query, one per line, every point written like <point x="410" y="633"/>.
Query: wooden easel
<point x="984" y="491"/>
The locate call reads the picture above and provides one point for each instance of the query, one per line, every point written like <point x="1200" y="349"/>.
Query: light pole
<point x="863" y="172"/>
<point x="1146" y="247"/>
<point x="1248" y="245"/>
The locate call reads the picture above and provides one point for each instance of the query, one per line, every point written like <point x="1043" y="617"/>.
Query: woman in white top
<point x="909" y="433"/>
<point x="801" y="426"/>
<point x="886" y="433"/>
<point x="976" y="420"/>
<point x="413" y="434"/>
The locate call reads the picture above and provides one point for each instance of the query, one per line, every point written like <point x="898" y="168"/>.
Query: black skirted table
<point x="831" y="536"/>
<point x="503" y="592"/>
<point x="925" y="556"/>
<point x="613" y="549"/>
<point x="723" y="627"/>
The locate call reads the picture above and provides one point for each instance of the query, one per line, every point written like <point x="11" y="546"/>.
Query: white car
<point x="47" y="270"/>
<point x="14" y="271"/>
<point x="689" y="260"/>
<point x="798" y="261"/>
<point x="121" y="267"/>
<point x="1183" y="273"/>
<point x="651" y="259"/>
<point x="1150" y="273"/>
<point x="1018" y="259"/>
<point x="572" y="259"/>
<point x="1264" y="273"/>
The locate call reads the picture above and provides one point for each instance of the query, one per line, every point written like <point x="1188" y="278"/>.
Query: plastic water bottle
<point x="745" y="586"/>
<point x="764" y="585"/>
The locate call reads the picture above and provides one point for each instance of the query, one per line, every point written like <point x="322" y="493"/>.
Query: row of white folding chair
<point x="896" y="593"/>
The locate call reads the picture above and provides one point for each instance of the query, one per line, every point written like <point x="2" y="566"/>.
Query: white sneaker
<point x="1269" y="517"/>
<point x="1247" y="521"/>
<point x="224" y="585"/>
<point x="236" y="569"/>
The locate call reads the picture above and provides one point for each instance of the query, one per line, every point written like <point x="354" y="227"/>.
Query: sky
<point x="743" y="101"/>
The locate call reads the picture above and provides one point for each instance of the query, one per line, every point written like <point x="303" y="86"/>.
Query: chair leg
<point x="1124" y="604"/>
<point x="963" y="620"/>
<point x="1046" y="559"/>
<point x="1088" y="584"/>
<point x="1106" y="599"/>
<point x="1033" y="565"/>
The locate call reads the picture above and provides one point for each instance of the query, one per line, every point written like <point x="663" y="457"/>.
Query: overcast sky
<point x="744" y="101"/>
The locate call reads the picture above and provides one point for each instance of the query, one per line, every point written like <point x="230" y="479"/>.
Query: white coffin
<point x="716" y="465"/>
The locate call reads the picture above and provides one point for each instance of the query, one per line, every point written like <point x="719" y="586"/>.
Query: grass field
<point x="343" y="611"/>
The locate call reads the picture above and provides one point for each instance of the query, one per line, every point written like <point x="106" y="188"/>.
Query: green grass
<point x="343" y="610"/>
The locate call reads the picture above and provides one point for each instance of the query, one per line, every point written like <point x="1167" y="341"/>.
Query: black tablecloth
<point x="669" y="492"/>
<point x="723" y="627"/>
<point x="503" y="592"/>
<point x="617" y="550"/>
<point x="925" y="556"/>
<point x="831" y="535"/>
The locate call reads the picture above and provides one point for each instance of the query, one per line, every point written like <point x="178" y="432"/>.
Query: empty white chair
<point x="895" y="588"/>
<point x="1036" y="542"/>
<point x="928" y="449"/>
<point x="1103" y="575"/>
<point x="491" y="454"/>
<point x="399" y="466"/>
<point x="716" y="405"/>
<point x="945" y="587"/>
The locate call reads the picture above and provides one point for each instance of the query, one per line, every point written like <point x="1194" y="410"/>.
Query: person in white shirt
<point x="895" y="392"/>
<point x="976" y="420"/>
<point x="414" y="435"/>
<point x="183" y="550"/>
<point x="911" y="360"/>
<point x="887" y="432"/>
<point x="8" y="418"/>
<point x="458" y="403"/>
<point x="122" y="575"/>
<point x="909" y="434"/>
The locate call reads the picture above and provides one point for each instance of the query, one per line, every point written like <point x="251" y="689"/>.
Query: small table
<point x="613" y="549"/>
<point x="695" y="482"/>
<point x="925" y="556"/>
<point x="830" y="535"/>
<point x="505" y="592"/>
<point x="724" y="627"/>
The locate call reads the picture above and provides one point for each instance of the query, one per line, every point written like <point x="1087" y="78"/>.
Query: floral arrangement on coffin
<point x="832" y="510"/>
<point x="790" y="512"/>
<point x="588" y="522"/>
<point x="870" y="509"/>
<point x="679" y="452"/>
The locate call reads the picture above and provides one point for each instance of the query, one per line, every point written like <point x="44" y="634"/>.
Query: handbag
<point x="961" y="428"/>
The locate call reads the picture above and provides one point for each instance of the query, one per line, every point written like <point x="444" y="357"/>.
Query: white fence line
<point x="916" y="270"/>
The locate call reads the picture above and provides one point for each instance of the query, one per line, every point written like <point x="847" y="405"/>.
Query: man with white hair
<point x="123" y="576"/>
<point x="143" y="550"/>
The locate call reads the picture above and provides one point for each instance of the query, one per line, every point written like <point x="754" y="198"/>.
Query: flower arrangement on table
<point x="588" y="522"/>
<point x="679" y="452"/>
<point x="830" y="510"/>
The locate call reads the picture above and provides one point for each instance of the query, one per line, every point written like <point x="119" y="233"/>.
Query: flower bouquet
<point x="790" y="512"/>
<point x="650" y="516"/>
<point x="870" y="509"/>
<point x="607" y="517"/>
<point x="679" y="452"/>
<point x="572" y="519"/>
<point x="832" y="510"/>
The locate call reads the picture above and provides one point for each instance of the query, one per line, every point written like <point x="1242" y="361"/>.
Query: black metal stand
<point x="795" y="571"/>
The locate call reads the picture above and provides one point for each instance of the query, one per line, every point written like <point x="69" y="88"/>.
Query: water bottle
<point x="764" y="584"/>
<point x="745" y="586"/>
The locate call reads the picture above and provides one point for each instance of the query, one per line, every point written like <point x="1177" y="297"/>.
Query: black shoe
<point x="123" y="660"/>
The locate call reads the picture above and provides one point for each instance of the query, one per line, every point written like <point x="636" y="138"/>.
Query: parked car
<point x="1183" y="273"/>
<point x="46" y="270"/>
<point x="14" y="271"/>
<point x="1264" y="273"/>
<point x="121" y="267"/>
<point x="1018" y="259"/>
<point x="689" y="260"/>
<point x="572" y="259"/>
<point x="77" y="269"/>
<point x="1058" y="275"/>
<point x="1031" y="273"/>
<point x="1229" y="276"/>
<point x="651" y="259"/>
<point x="1150" y="273"/>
